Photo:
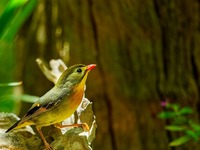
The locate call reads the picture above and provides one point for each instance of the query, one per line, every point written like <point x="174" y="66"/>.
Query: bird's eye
<point x="79" y="70"/>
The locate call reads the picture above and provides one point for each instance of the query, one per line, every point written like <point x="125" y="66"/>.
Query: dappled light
<point x="143" y="93"/>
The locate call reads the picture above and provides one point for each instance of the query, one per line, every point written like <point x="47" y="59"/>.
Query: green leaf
<point x="175" y="107"/>
<point x="11" y="84"/>
<point x="3" y="4"/>
<point x="180" y="140"/>
<point x="192" y="134"/>
<point x="9" y="12"/>
<point x="29" y="98"/>
<point x="195" y="126"/>
<point x="13" y="13"/>
<point x="180" y="120"/>
<point x="17" y="3"/>
<point x="174" y="128"/>
<point x="185" y="111"/>
<point x="167" y="114"/>
<point x="13" y="17"/>
<point x="9" y="102"/>
<point x="198" y="133"/>
<point x="172" y="106"/>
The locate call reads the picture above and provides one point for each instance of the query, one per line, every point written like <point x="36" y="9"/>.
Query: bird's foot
<point x="47" y="146"/>
<point x="85" y="127"/>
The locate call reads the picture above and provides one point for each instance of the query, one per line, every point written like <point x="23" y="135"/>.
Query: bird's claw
<point x="85" y="127"/>
<point x="48" y="147"/>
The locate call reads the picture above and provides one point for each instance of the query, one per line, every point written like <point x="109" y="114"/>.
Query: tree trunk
<point x="145" y="51"/>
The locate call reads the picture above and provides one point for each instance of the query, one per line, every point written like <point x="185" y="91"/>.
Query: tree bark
<point x="145" y="52"/>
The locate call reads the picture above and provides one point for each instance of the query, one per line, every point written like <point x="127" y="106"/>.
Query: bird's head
<point x="75" y="75"/>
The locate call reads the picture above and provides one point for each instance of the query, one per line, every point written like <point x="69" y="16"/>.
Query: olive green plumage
<point x="60" y="102"/>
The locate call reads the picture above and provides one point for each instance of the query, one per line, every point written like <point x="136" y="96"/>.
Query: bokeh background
<point x="146" y="52"/>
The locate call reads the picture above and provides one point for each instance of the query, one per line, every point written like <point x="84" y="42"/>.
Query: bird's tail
<point x="13" y="126"/>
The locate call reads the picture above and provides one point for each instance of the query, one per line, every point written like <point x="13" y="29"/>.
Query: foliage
<point x="180" y="122"/>
<point x="13" y="14"/>
<point x="9" y="100"/>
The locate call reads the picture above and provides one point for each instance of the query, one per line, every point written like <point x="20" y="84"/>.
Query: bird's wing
<point x="35" y="110"/>
<point x="45" y="103"/>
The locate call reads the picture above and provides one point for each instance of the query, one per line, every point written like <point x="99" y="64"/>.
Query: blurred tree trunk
<point x="145" y="51"/>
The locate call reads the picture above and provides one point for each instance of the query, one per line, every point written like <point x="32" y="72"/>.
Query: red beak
<point x="90" y="67"/>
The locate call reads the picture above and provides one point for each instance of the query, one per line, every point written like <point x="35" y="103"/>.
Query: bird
<point x="58" y="103"/>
